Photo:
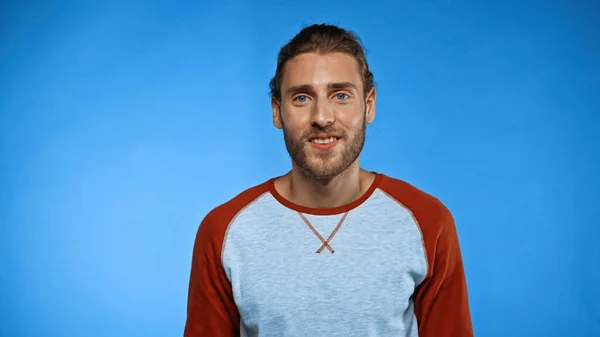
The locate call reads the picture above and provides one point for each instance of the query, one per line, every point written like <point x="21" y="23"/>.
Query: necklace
<point x="325" y="242"/>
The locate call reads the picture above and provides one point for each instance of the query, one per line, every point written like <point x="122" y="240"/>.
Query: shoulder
<point x="216" y="222"/>
<point x="430" y="214"/>
<point x="433" y="219"/>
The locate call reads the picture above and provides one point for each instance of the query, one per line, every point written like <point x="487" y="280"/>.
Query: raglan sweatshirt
<point x="388" y="264"/>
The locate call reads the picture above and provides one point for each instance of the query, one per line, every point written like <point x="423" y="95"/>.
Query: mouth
<point x="324" y="142"/>
<point x="323" y="139"/>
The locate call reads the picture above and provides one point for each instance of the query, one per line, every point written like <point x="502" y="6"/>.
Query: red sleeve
<point x="441" y="302"/>
<point x="211" y="310"/>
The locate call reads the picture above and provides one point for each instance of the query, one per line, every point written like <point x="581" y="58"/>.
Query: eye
<point x="341" y="96"/>
<point x="301" y="98"/>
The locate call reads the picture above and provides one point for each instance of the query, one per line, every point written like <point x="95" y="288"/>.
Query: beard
<point x="323" y="167"/>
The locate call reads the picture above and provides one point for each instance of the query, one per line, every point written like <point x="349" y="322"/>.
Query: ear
<point x="370" y="105"/>
<point x="276" y="107"/>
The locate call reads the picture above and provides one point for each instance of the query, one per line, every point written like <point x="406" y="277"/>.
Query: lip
<point x="325" y="147"/>
<point x="324" y="135"/>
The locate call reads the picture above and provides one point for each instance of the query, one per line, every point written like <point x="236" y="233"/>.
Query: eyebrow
<point x="342" y="85"/>
<point x="308" y="88"/>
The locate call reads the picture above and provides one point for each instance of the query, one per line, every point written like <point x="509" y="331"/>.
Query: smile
<point x="324" y="143"/>
<point x="323" y="140"/>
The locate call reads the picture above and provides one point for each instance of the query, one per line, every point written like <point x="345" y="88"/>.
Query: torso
<point x="287" y="282"/>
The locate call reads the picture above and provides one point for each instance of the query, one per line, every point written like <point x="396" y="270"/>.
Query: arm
<point x="211" y="310"/>
<point x="441" y="303"/>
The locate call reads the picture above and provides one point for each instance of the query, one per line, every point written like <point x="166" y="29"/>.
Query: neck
<point x="341" y="190"/>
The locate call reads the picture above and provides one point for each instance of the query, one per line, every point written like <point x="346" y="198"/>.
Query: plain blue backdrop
<point x="123" y="124"/>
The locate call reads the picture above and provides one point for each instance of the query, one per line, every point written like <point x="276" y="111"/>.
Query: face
<point x="323" y="112"/>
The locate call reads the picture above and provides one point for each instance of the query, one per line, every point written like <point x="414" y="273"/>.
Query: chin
<point x="327" y="159"/>
<point x="324" y="167"/>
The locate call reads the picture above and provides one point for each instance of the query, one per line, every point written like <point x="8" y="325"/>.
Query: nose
<point x="322" y="114"/>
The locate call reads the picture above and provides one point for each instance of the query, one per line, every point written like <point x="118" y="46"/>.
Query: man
<point x="328" y="249"/>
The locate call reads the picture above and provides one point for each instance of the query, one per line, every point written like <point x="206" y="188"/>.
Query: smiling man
<point x="329" y="248"/>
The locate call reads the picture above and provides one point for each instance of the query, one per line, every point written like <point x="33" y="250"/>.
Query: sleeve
<point x="441" y="301"/>
<point x="211" y="310"/>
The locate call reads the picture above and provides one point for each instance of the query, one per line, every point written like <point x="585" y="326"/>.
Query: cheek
<point x="352" y="119"/>
<point x="296" y="123"/>
<point x="295" y="117"/>
<point x="293" y="132"/>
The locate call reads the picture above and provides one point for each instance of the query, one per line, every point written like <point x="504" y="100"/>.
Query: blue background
<point x="122" y="125"/>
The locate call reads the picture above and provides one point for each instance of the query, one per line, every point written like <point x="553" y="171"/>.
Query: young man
<point x="328" y="249"/>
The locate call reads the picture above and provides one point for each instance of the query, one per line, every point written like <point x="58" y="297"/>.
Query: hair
<point x="322" y="39"/>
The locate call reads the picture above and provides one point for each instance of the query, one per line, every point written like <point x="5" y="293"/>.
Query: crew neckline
<point x="325" y="211"/>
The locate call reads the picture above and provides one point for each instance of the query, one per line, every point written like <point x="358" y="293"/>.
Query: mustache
<point x="317" y="130"/>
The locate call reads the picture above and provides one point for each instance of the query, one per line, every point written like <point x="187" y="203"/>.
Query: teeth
<point x="323" y="140"/>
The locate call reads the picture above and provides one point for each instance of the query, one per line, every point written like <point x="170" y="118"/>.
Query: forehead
<point x="319" y="70"/>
